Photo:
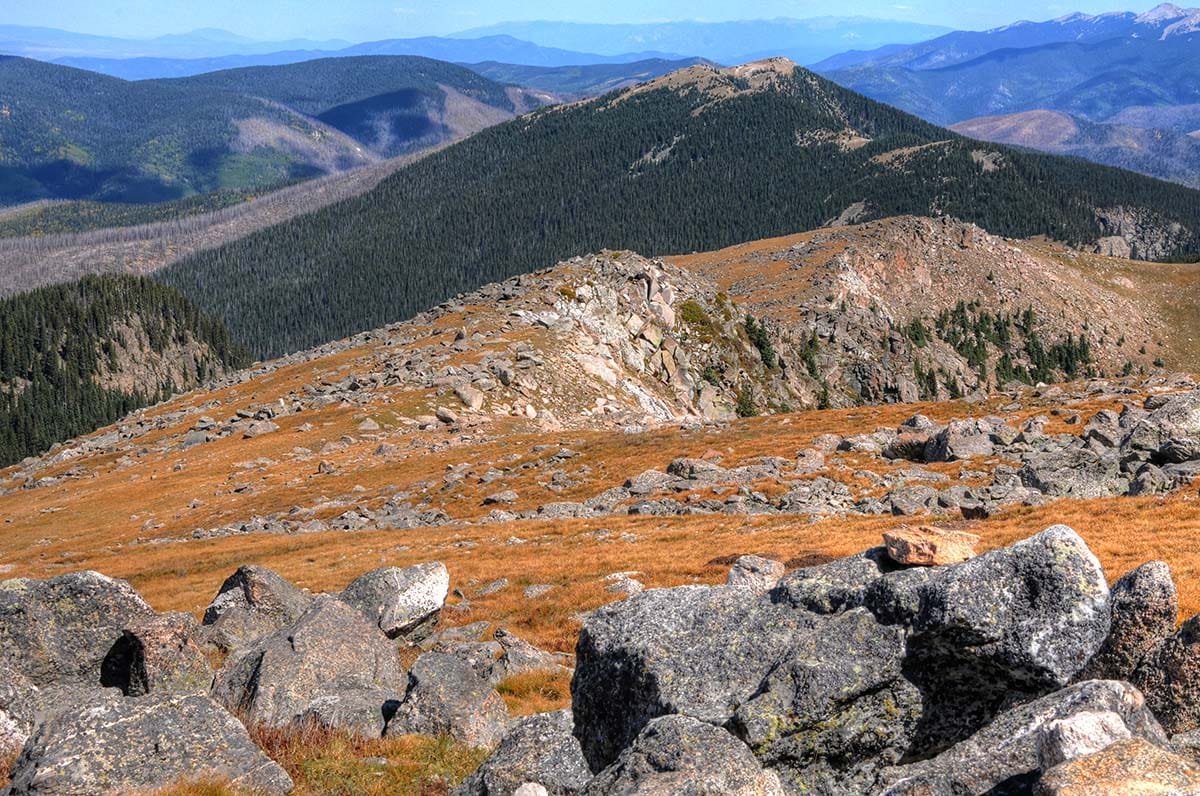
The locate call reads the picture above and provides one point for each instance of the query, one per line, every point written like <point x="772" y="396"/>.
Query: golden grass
<point x="91" y="528"/>
<point x="328" y="763"/>
<point x="535" y="692"/>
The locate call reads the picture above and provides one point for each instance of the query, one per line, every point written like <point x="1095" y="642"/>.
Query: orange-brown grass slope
<point x="95" y="523"/>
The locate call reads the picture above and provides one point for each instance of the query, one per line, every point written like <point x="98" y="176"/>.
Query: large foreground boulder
<point x="446" y="696"/>
<point x="681" y="756"/>
<point x="403" y="603"/>
<point x="1144" y="608"/>
<point x="539" y="749"/>
<point x="694" y="650"/>
<point x="59" y="631"/>
<point x="158" y="654"/>
<point x="125" y="745"/>
<point x="330" y="655"/>
<point x="836" y="707"/>
<point x="1006" y="755"/>
<point x="252" y="603"/>
<point x="1008" y="626"/>
<point x="846" y="668"/>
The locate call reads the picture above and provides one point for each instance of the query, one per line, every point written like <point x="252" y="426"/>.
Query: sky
<point x="367" y="20"/>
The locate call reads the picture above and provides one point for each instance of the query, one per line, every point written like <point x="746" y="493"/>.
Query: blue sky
<point x="364" y="20"/>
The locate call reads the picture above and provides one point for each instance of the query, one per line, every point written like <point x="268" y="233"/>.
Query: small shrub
<point x="745" y="403"/>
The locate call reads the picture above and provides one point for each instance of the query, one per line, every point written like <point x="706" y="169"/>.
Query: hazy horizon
<point x="368" y="20"/>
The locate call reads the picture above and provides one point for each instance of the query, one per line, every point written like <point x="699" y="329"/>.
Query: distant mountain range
<point x="1090" y="66"/>
<point x="694" y="160"/>
<point x="586" y="80"/>
<point x="802" y="40"/>
<point x="503" y="49"/>
<point x="48" y="44"/>
<point x="68" y="133"/>
<point x="539" y="44"/>
<point x="1118" y="88"/>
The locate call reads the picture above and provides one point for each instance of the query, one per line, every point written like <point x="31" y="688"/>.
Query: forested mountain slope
<point x="80" y="355"/>
<point x="70" y="134"/>
<point x="699" y="159"/>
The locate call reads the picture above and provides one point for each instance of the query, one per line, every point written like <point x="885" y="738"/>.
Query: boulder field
<point x="1016" y="671"/>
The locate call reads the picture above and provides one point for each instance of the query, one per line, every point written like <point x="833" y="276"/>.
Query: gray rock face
<point x="836" y="708"/>
<point x="837" y="586"/>
<point x="1003" y="757"/>
<point x="959" y="440"/>
<point x="158" y="654"/>
<point x="1144" y="608"/>
<point x="1074" y="472"/>
<point x="694" y="650"/>
<point x="24" y="706"/>
<point x="402" y="602"/>
<point x="540" y="749"/>
<point x="252" y="603"/>
<point x="849" y="667"/>
<point x="681" y="756"/>
<point x="16" y="710"/>
<point x="1022" y="620"/>
<point x="125" y="745"/>
<point x="1170" y="433"/>
<point x="332" y="650"/>
<point x="1170" y="678"/>
<point x="359" y="709"/>
<point x="59" y="631"/>
<point x="446" y="696"/>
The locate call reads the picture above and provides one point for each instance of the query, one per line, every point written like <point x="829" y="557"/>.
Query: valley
<point x="152" y="141"/>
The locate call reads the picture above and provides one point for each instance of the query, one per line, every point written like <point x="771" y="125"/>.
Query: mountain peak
<point x="722" y="83"/>
<point x="1165" y="12"/>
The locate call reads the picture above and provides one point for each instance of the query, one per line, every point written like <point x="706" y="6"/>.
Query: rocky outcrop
<point x="682" y="755"/>
<point x="446" y="696"/>
<point x="862" y="675"/>
<point x="539" y="749"/>
<point x="1137" y="234"/>
<point x="59" y="631"/>
<point x="845" y="669"/>
<point x="1008" y="751"/>
<point x="403" y="603"/>
<point x="121" y="745"/>
<point x="252" y="603"/>
<point x="330" y="663"/>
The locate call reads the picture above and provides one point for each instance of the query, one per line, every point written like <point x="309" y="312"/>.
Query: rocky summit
<point x="1015" y="671"/>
